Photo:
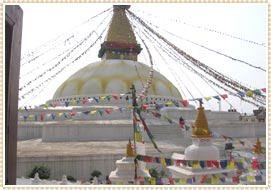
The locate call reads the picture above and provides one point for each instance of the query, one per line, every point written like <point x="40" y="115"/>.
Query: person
<point x="181" y="122"/>
<point x="108" y="180"/>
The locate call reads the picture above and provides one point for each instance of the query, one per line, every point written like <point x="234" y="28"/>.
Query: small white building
<point x="198" y="155"/>
<point x="128" y="170"/>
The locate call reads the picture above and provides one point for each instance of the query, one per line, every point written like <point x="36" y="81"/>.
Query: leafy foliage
<point x="43" y="171"/>
<point x="96" y="173"/>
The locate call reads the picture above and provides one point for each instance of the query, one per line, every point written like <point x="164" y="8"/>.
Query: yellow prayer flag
<point x="215" y="180"/>
<point x="93" y="112"/>
<point x="59" y="115"/>
<point x="102" y="98"/>
<point x="195" y="164"/>
<point x="231" y="165"/>
<point x="249" y="93"/>
<point x="169" y="103"/>
<point x="138" y="137"/>
<point x="30" y="117"/>
<point x="153" y="181"/>
<point x="46" y="106"/>
<point x="250" y="178"/>
<point x="73" y="102"/>
<point x="207" y="98"/>
<point x="163" y="161"/>
<point x="131" y="107"/>
<point x="182" y="180"/>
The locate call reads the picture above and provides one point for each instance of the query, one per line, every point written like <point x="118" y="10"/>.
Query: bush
<point x="96" y="173"/>
<point x="43" y="171"/>
<point x="71" y="179"/>
<point x="153" y="172"/>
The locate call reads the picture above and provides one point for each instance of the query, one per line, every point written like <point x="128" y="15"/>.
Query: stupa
<point x="128" y="170"/>
<point x="254" y="172"/>
<point x="197" y="154"/>
<point x="118" y="68"/>
<point x="93" y="105"/>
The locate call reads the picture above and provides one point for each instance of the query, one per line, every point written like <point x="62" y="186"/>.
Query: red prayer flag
<point x="41" y="117"/>
<point x="235" y="179"/>
<point x="72" y="114"/>
<point x="184" y="103"/>
<point x="209" y="164"/>
<point x="108" y="110"/>
<point x="224" y="96"/>
<point x="115" y="96"/>
<point x="215" y="163"/>
<point x="144" y="107"/>
<point x="225" y="137"/>
<point x="263" y="89"/>
<point x="84" y="100"/>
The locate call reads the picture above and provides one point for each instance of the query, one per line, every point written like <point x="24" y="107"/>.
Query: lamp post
<point x="134" y="103"/>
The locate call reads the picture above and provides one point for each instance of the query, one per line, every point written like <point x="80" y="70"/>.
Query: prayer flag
<point x="108" y="110"/>
<point x="217" y="97"/>
<point x="249" y="93"/>
<point x="108" y="98"/>
<point x="93" y="112"/>
<point x="250" y="178"/>
<point x="67" y="103"/>
<point x="102" y="98"/>
<point x="153" y="181"/>
<point x="101" y="112"/>
<point x="41" y="117"/>
<point x="59" y="115"/>
<point x="115" y="96"/>
<point x="215" y="180"/>
<point x="258" y="178"/>
<point x="207" y="98"/>
<point x="257" y="92"/>
<point x="223" y="164"/>
<point x="30" y="117"/>
<point x="241" y="94"/>
<point x="224" y="96"/>
<point x="184" y="103"/>
<point x="96" y="99"/>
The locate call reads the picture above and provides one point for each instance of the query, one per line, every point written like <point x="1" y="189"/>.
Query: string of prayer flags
<point x="148" y="133"/>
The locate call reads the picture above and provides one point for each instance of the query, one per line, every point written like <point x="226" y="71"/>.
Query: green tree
<point x="96" y="173"/>
<point x="43" y="171"/>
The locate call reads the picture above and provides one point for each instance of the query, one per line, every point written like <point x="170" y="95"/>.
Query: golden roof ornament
<point x="258" y="147"/>
<point x="200" y="129"/>
<point x="120" y="42"/>
<point x="129" y="150"/>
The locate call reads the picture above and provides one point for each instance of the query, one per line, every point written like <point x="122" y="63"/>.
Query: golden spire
<point x="201" y="129"/>
<point x="129" y="150"/>
<point x="120" y="42"/>
<point x="258" y="147"/>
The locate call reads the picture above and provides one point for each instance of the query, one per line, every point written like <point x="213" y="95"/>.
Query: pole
<point x="134" y="125"/>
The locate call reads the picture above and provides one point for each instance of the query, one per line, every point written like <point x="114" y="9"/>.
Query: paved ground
<point x="37" y="148"/>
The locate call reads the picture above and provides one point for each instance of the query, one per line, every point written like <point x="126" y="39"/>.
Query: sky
<point x="45" y="24"/>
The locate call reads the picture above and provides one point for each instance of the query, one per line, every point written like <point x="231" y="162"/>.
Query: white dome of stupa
<point x="115" y="76"/>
